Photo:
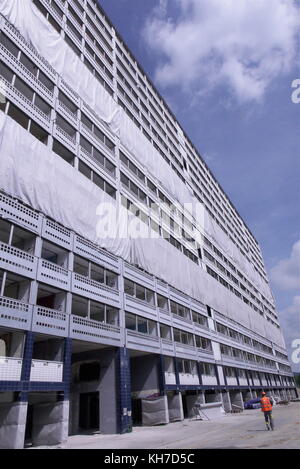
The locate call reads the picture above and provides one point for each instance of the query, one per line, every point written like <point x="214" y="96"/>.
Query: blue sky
<point x="226" y="70"/>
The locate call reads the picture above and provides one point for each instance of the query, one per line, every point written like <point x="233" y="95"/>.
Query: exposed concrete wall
<point x="155" y="412"/>
<point x="193" y="400"/>
<point x="175" y="407"/>
<point x="108" y="393"/>
<point x="144" y="375"/>
<point x="50" y="423"/>
<point x="12" y="425"/>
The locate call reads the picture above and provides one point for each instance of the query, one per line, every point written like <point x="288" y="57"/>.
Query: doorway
<point x="89" y="411"/>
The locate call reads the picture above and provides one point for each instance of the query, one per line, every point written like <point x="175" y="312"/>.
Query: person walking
<point x="266" y="407"/>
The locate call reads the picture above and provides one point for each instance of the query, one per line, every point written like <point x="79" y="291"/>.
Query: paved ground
<point x="235" y="431"/>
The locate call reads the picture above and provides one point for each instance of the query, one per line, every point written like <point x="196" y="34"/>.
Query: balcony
<point x="22" y="215"/>
<point x="188" y="379"/>
<point x="181" y="322"/>
<point x="17" y="261"/>
<point x="27" y="106"/>
<point x="209" y="380"/>
<point x="10" y="369"/>
<point x="15" y="314"/>
<point x="96" y="254"/>
<point x="16" y="37"/>
<point x="65" y="138"/>
<point x="46" y="371"/>
<point x="14" y="64"/>
<point x="53" y="274"/>
<point x="185" y="351"/>
<point x="231" y="381"/>
<point x="95" y="290"/>
<point x="140" y="341"/>
<point x="57" y="233"/>
<point x="167" y="347"/>
<point x="138" y="276"/>
<point x="50" y="321"/>
<point x="94" y="331"/>
<point x="134" y="305"/>
<point x="170" y="378"/>
<point x="164" y="316"/>
<point x="68" y="114"/>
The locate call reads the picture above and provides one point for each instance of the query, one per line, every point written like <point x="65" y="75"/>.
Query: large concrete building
<point x="104" y="332"/>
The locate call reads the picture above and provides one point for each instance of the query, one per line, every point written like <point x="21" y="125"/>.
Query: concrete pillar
<point x="50" y="423"/>
<point x="226" y="401"/>
<point x="12" y="425"/>
<point x="175" y="406"/>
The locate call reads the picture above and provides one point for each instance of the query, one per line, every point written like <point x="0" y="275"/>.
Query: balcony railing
<point x="54" y="274"/>
<point x="10" y="369"/>
<point x="46" y="320"/>
<point x="142" y="341"/>
<point x="94" y="331"/>
<point x="95" y="290"/>
<point x="17" y="260"/>
<point x="49" y="371"/>
<point x="15" y="314"/>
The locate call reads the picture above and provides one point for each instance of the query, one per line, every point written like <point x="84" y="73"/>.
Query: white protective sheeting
<point x="25" y="16"/>
<point x="46" y="191"/>
<point x="31" y="172"/>
<point x="35" y="28"/>
<point x="34" y="174"/>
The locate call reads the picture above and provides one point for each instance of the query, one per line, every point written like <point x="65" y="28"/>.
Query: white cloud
<point x="241" y="44"/>
<point x="286" y="274"/>
<point x="290" y="323"/>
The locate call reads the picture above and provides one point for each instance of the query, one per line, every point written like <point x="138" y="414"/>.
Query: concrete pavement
<point x="236" y="431"/>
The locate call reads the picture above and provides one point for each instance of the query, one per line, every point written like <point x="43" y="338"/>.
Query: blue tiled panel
<point x="124" y="394"/>
<point x="161" y="373"/>
<point x="27" y="357"/>
<point x="67" y="367"/>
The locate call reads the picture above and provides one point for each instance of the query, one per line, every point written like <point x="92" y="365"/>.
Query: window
<point x="140" y="324"/>
<point x="203" y="343"/>
<point x="138" y="291"/>
<point x="208" y="369"/>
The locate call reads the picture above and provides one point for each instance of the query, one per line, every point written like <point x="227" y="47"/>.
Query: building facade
<point x="100" y="333"/>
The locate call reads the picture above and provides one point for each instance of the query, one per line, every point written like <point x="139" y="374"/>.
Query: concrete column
<point x="175" y="406"/>
<point x="50" y="423"/>
<point x="12" y="425"/>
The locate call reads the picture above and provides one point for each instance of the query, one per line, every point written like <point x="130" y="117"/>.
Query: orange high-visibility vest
<point x="266" y="405"/>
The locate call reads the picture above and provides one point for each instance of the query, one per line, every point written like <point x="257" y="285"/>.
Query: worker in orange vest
<point x="266" y="407"/>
